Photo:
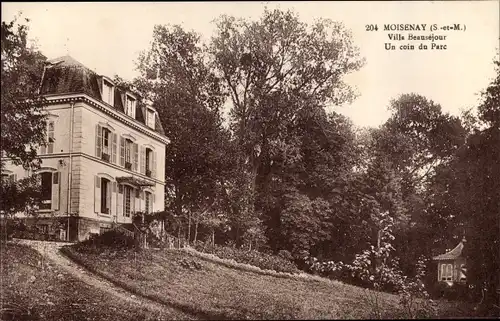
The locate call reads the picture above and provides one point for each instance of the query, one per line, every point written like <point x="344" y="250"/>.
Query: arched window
<point x="449" y="272"/>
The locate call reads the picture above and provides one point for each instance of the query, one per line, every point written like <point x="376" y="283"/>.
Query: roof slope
<point x="65" y="75"/>
<point x="453" y="254"/>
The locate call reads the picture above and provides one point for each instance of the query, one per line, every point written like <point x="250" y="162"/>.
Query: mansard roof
<point x="453" y="254"/>
<point x="65" y="75"/>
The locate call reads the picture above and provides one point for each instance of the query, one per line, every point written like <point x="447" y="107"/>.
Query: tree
<point x="279" y="73"/>
<point x="188" y="98"/>
<point x="22" y="117"/>
<point x="23" y="121"/>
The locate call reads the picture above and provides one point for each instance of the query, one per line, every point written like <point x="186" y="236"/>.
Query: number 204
<point x="371" y="27"/>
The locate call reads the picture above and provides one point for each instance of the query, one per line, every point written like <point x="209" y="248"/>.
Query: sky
<point x="107" y="37"/>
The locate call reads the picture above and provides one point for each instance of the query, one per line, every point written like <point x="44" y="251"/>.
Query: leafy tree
<point x="22" y="117"/>
<point x="280" y="73"/>
<point x="273" y="68"/>
<point x="475" y="186"/>
<point x="23" y="121"/>
<point x="188" y="98"/>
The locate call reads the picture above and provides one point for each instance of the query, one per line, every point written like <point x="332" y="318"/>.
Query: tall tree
<point x="188" y="98"/>
<point x="23" y="120"/>
<point x="274" y="69"/>
<point x="472" y="194"/>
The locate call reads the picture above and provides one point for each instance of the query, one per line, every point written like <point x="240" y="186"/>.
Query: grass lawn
<point x="212" y="290"/>
<point x="34" y="289"/>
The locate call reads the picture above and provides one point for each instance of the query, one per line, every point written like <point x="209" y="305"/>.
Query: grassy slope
<point x="53" y="295"/>
<point x="212" y="290"/>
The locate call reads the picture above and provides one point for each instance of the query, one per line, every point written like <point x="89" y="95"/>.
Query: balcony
<point x="128" y="165"/>
<point x="148" y="173"/>
<point x="105" y="157"/>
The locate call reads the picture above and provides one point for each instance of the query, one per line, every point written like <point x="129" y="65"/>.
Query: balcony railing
<point x="105" y="157"/>
<point x="148" y="173"/>
<point x="128" y="165"/>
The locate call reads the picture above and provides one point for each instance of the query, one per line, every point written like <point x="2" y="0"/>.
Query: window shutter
<point x="122" y="151"/>
<point x="109" y="200"/>
<point x="113" y="148"/>
<point x="119" y="201"/>
<point x="98" y="141"/>
<point x="97" y="194"/>
<point x="136" y="157"/>
<point x="112" y="203"/>
<point x="153" y="169"/>
<point x="56" y="177"/>
<point x="143" y="160"/>
<point x="132" y="202"/>
<point x="50" y="146"/>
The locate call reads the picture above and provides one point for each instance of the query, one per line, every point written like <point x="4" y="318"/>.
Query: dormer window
<point x="130" y="105"/>
<point x="150" y="118"/>
<point x="107" y="92"/>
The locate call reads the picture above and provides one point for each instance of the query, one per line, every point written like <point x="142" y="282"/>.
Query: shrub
<point x="439" y="289"/>
<point x="110" y="239"/>
<point x="255" y="258"/>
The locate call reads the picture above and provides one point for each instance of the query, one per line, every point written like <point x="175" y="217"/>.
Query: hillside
<point x="210" y="290"/>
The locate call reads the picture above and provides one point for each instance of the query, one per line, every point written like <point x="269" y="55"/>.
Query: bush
<point x="110" y="239"/>
<point x="255" y="258"/>
<point x="439" y="289"/>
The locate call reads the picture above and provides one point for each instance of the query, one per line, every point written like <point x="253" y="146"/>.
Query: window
<point x="106" y="141"/>
<point x="46" y="197"/>
<point x="6" y="178"/>
<point x="130" y="106"/>
<point x="148" y="162"/>
<point x="128" y="201"/>
<point x="107" y="92"/>
<point x="49" y="148"/>
<point x="150" y="118"/>
<point x="446" y="272"/>
<point x="129" y="154"/>
<point x="105" y="144"/>
<point x="105" y="196"/>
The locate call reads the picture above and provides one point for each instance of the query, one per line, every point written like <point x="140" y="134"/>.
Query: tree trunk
<point x="179" y="236"/>
<point x="213" y="237"/>
<point x="195" y="231"/>
<point x="189" y="228"/>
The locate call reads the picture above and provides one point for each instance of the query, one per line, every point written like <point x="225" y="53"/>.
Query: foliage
<point x="280" y="73"/>
<point x="113" y="239"/>
<point x="23" y="120"/>
<point x="188" y="98"/>
<point x="23" y="195"/>
<point x="252" y="257"/>
<point x="376" y="268"/>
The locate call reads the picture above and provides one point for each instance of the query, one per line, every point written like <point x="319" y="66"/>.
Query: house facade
<point x="451" y="265"/>
<point x="104" y="158"/>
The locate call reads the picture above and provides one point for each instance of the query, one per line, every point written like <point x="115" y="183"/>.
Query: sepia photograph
<point x="238" y="160"/>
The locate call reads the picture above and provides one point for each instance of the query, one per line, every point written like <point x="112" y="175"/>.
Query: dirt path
<point x="50" y="250"/>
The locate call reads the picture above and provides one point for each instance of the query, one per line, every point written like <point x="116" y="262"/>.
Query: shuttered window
<point x="50" y="188"/>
